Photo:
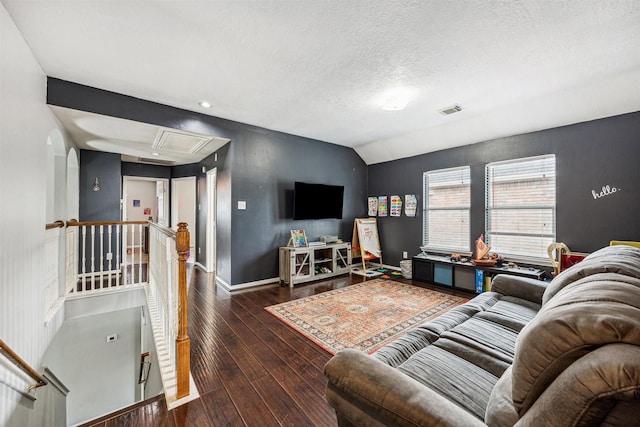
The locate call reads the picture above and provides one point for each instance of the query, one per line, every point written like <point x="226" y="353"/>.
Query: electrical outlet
<point x="109" y="256"/>
<point x="112" y="337"/>
<point x="404" y="255"/>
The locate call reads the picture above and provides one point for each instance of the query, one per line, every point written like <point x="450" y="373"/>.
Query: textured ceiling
<point x="322" y="69"/>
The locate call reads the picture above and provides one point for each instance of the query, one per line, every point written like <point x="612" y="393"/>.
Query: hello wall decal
<point x="606" y="191"/>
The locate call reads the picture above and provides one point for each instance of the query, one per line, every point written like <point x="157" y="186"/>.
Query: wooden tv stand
<point x="300" y="265"/>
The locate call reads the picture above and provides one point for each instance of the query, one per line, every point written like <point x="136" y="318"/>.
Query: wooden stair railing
<point x="182" y="340"/>
<point x="24" y="366"/>
<point x="56" y="224"/>
<point x="167" y="301"/>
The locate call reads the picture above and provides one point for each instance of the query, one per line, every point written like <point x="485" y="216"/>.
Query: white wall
<point x="183" y="206"/>
<point x="25" y="124"/>
<point x="145" y="192"/>
<point x="102" y="376"/>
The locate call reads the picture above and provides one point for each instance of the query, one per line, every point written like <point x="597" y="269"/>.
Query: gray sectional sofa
<point x="528" y="353"/>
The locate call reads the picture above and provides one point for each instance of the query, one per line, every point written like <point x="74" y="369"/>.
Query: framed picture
<point x="298" y="239"/>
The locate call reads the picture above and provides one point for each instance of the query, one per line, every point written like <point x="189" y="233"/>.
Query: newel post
<point x="182" y="341"/>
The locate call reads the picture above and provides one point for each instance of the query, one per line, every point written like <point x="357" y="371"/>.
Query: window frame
<point x="425" y="211"/>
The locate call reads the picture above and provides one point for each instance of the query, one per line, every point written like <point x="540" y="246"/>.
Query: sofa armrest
<point x="519" y="287"/>
<point x="370" y="387"/>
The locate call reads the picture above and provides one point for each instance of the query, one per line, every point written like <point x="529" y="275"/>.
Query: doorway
<point x="211" y="220"/>
<point x="183" y="208"/>
<point x="143" y="199"/>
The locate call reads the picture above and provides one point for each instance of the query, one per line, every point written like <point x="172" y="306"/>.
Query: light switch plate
<point x="242" y="205"/>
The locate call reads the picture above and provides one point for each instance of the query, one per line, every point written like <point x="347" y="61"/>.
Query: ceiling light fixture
<point x="395" y="104"/>
<point x="205" y="104"/>
<point x="396" y="99"/>
<point x="155" y="154"/>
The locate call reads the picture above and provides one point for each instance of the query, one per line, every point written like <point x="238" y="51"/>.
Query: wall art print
<point x="382" y="206"/>
<point x="372" y="202"/>
<point x="396" y="205"/>
<point x="410" y="204"/>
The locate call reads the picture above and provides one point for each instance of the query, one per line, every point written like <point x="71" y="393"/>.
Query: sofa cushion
<point x="594" y="311"/>
<point x="456" y="379"/>
<point x="615" y="259"/>
<point x="511" y="312"/>
<point x="483" y="343"/>
<point x="398" y="351"/>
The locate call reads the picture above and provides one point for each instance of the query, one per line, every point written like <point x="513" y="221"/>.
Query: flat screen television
<point x="317" y="201"/>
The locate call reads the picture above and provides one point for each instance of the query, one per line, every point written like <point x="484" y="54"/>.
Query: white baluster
<point x="101" y="269"/>
<point x="109" y="254"/>
<point x="93" y="257"/>
<point x="118" y="250"/>
<point x="84" y="258"/>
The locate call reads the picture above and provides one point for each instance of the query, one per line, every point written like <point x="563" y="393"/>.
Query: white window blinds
<point x="447" y="201"/>
<point x="521" y="207"/>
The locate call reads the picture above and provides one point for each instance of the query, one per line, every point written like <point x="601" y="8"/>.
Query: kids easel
<point x="365" y="242"/>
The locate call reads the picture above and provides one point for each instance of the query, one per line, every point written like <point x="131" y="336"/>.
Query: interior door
<point x="183" y="207"/>
<point x="211" y="220"/>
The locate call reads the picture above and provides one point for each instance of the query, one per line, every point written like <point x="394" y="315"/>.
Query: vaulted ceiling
<point x="324" y="69"/>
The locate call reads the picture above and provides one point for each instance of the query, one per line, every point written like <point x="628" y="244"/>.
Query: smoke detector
<point x="450" y="110"/>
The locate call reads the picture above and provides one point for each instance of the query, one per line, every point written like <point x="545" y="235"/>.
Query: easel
<point x="365" y="242"/>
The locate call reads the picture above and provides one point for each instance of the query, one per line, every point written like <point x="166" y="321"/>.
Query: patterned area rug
<point x="364" y="316"/>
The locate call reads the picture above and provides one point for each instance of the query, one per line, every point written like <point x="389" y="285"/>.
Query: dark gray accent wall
<point x="145" y="170"/>
<point x="223" y="211"/>
<point x="265" y="166"/>
<point x="258" y="166"/>
<point x="103" y="205"/>
<point x="589" y="156"/>
<point x="182" y="171"/>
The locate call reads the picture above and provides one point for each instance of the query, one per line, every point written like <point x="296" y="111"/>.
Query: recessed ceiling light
<point x="155" y="154"/>
<point x="205" y="104"/>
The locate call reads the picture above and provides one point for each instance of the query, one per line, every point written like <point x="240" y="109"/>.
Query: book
<point x="479" y="281"/>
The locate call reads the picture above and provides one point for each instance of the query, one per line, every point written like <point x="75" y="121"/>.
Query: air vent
<point x="180" y="142"/>
<point x="450" y="110"/>
<point x="156" y="161"/>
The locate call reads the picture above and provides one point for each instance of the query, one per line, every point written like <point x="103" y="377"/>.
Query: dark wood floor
<point x="250" y="369"/>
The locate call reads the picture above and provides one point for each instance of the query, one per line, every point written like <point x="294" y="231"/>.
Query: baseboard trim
<point x="391" y="267"/>
<point x="202" y="267"/>
<point x="246" y="285"/>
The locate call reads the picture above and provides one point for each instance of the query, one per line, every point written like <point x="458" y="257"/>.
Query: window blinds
<point x="446" y="211"/>
<point x="520" y="215"/>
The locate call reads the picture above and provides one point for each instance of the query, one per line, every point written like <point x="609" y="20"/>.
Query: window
<point x="521" y="207"/>
<point x="447" y="201"/>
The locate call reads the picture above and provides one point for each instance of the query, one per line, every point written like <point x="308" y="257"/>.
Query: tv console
<point x="440" y="270"/>
<point x="300" y="265"/>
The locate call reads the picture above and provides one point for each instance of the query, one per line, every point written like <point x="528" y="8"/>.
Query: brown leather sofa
<point x="528" y="353"/>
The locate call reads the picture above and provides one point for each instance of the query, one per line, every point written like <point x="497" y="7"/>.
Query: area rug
<point x="364" y="316"/>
